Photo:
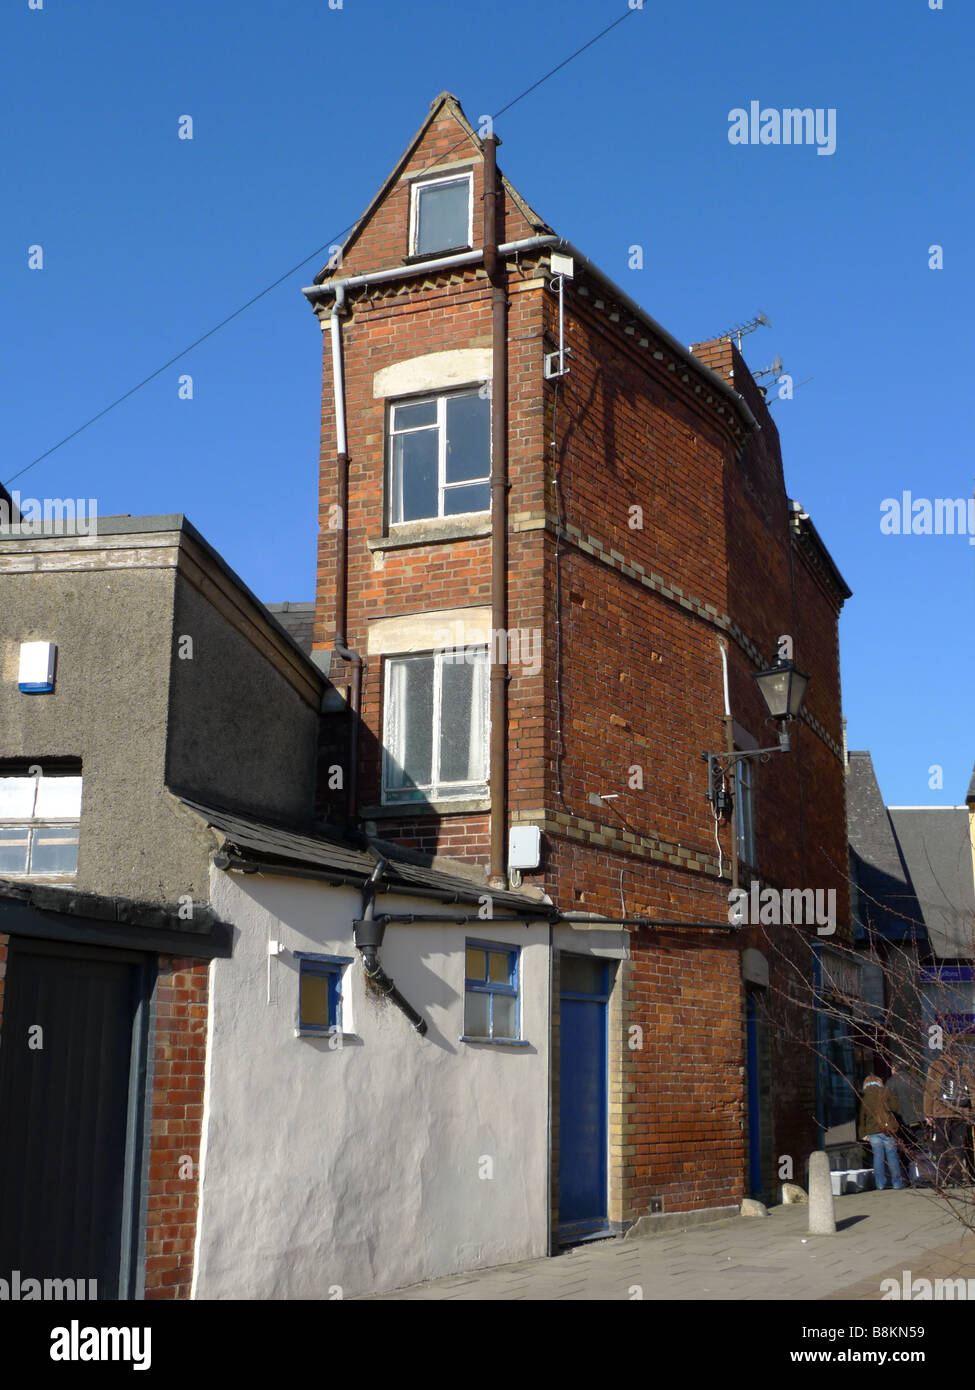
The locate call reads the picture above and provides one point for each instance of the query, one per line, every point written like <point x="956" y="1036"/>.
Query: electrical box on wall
<point x="524" y="847"/>
<point x="36" y="673"/>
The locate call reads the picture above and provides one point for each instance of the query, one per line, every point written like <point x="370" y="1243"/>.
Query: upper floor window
<point x="745" y="811"/>
<point x="435" y="733"/>
<point x="439" y="457"/>
<point x="39" y="819"/>
<point x="441" y="214"/>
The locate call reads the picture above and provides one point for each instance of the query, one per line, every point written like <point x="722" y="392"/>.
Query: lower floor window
<point x="745" y="812"/>
<point x="320" y="993"/>
<point x="491" y="991"/>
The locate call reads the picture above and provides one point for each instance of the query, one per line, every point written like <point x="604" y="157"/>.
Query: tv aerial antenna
<point x="741" y="329"/>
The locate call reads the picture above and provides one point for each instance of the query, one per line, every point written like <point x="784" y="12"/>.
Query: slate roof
<point x="911" y="866"/>
<point x="278" y="849"/>
<point x="298" y="620"/>
<point x="935" y="842"/>
<point x="885" y="900"/>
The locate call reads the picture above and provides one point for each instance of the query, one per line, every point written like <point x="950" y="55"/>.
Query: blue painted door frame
<point x="754" y="1113"/>
<point x="583" y="1106"/>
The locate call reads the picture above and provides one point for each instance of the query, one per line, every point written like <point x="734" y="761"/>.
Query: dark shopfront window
<point x="842" y="1063"/>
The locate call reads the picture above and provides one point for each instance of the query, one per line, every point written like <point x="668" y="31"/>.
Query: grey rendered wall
<point x="113" y="630"/>
<point x="240" y="735"/>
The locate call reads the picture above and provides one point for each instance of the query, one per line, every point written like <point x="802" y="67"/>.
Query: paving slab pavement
<point x="879" y="1235"/>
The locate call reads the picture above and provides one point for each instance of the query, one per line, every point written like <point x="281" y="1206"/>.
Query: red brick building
<point x="616" y="523"/>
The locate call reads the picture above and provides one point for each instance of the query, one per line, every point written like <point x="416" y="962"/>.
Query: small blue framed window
<point x="491" y="1003"/>
<point x="320" y="992"/>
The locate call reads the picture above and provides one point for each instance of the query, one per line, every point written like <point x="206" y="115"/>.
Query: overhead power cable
<point x="314" y="255"/>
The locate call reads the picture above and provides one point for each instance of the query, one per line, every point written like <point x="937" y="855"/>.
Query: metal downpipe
<point x="498" y="275"/>
<point x="369" y="931"/>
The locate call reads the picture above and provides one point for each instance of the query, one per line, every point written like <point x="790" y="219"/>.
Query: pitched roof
<point x="935" y="842"/>
<point x="280" y="850"/>
<point x="446" y="101"/>
<point x="885" y="900"/>
<point x="298" y="620"/>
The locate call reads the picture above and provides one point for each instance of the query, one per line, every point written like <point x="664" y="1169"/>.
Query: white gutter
<point x="724" y="671"/>
<point x="511" y="248"/>
<point x="399" y="272"/>
<point x="338" y="379"/>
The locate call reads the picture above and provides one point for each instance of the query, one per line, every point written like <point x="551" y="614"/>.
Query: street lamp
<point x="783" y="687"/>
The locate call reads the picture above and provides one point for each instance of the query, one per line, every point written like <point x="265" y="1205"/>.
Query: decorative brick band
<point x="673" y="593"/>
<point x="625" y="841"/>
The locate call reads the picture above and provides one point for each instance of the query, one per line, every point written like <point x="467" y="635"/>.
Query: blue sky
<point x="300" y="111"/>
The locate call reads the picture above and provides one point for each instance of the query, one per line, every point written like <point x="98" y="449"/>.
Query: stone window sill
<point x="326" y="1035"/>
<point x="425" y="808"/>
<point x="417" y="258"/>
<point x="435" y="532"/>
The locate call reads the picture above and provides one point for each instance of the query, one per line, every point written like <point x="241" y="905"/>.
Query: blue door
<point x="583" y="1096"/>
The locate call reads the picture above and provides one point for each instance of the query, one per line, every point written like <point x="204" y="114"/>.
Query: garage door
<point x="72" y="1081"/>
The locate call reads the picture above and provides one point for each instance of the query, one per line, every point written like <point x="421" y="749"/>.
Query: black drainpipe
<point x="369" y="932"/>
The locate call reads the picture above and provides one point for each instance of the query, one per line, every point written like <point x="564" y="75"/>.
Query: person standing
<point x="906" y="1090"/>
<point x="878" y="1125"/>
<point x="948" y="1095"/>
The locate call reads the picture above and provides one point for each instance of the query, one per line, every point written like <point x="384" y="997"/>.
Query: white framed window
<point x="442" y="214"/>
<point x="435" y="726"/>
<point x="39" y="822"/>
<point x="439" y="456"/>
<point x="745" y="811"/>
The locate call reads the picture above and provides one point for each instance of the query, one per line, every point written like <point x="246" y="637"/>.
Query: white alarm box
<point x="36" y="674"/>
<point x="524" y="847"/>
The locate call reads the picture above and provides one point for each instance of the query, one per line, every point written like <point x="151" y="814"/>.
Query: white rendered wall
<point x="333" y="1172"/>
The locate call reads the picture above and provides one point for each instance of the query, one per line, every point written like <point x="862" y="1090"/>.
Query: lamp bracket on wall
<point x="554" y="365"/>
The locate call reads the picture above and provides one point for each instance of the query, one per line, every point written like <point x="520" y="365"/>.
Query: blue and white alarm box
<point x="37" y="659"/>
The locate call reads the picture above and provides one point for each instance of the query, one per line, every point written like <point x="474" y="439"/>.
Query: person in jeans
<point x="878" y="1125"/>
<point x="905" y="1086"/>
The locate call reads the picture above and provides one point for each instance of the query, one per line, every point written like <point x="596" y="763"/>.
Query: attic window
<point x="441" y="215"/>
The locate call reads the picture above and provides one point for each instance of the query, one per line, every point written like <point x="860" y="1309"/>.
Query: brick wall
<point x="631" y="606"/>
<point x="385" y="326"/>
<point x="382" y="242"/>
<point x="176" y="1103"/>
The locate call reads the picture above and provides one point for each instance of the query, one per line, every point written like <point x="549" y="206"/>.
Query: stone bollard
<point x="822" y="1220"/>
